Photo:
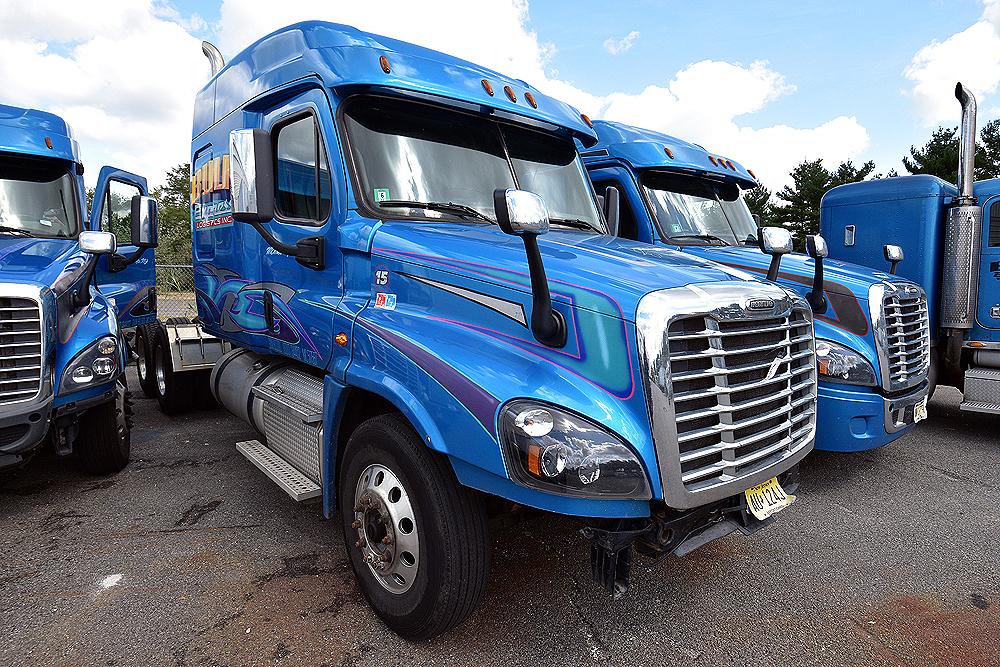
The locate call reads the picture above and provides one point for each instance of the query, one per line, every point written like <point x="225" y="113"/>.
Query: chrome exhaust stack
<point x="963" y="231"/>
<point x="214" y="56"/>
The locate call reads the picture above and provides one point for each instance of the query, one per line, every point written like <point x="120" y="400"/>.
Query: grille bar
<point x="20" y="349"/>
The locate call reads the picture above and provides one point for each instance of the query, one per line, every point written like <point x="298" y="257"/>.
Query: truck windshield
<point x="37" y="198"/>
<point x="427" y="162"/>
<point x="696" y="211"/>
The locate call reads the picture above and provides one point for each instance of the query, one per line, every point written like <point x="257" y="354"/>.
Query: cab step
<point x="982" y="390"/>
<point x="281" y="472"/>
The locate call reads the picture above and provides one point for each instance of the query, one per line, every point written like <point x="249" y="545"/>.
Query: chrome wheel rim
<point x="161" y="373"/>
<point x="385" y="529"/>
<point x="140" y="364"/>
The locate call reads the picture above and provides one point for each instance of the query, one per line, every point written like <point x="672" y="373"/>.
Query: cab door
<point x="299" y="302"/>
<point x="131" y="288"/>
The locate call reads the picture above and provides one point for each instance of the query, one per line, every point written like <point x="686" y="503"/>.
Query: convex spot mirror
<point x="520" y="213"/>
<point x="251" y="178"/>
<point x="893" y="253"/>
<point x="816" y="246"/>
<point x="774" y="240"/>
<point x="98" y="243"/>
<point x="145" y="217"/>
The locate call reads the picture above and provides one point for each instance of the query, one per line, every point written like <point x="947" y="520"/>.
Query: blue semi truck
<point x="950" y="234"/>
<point x="428" y="318"/>
<point x="69" y="287"/>
<point x="872" y="338"/>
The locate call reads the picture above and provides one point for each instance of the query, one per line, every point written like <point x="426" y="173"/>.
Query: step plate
<point x="982" y="390"/>
<point x="281" y="472"/>
<point x="980" y="406"/>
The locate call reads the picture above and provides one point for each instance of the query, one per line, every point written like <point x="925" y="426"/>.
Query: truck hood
<point x="796" y="269"/>
<point x="576" y="262"/>
<point x="38" y="261"/>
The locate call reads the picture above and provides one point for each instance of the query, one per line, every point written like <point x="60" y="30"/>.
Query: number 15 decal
<point x="382" y="277"/>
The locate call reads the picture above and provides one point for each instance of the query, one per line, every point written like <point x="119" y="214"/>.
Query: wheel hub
<point x="385" y="528"/>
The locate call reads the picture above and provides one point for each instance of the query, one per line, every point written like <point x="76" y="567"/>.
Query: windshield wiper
<point x="17" y="231"/>
<point x="576" y="223"/>
<point x="443" y="206"/>
<point x="704" y="237"/>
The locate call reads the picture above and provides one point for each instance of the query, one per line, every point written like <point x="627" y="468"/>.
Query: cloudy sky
<point x="768" y="83"/>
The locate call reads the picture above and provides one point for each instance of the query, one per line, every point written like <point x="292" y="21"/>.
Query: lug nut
<point x="356" y="524"/>
<point x="386" y="557"/>
<point x="387" y="540"/>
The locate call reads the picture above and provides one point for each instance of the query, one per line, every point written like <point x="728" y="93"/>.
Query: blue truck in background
<point x="70" y="285"/>
<point x="950" y="234"/>
<point x="872" y="339"/>
<point x="429" y="321"/>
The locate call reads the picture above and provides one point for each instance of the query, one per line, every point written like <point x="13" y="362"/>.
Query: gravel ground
<point x="192" y="557"/>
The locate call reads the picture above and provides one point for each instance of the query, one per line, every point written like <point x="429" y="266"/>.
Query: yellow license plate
<point x="920" y="411"/>
<point x="768" y="498"/>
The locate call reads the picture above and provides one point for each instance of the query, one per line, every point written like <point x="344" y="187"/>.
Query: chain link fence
<point x="175" y="291"/>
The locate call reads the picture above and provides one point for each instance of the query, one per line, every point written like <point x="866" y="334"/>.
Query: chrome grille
<point x="902" y="335"/>
<point x="20" y="349"/>
<point x="744" y="393"/>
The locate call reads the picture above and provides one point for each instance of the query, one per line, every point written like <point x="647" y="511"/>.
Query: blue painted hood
<point x="37" y="261"/>
<point x="572" y="258"/>
<point x="796" y="269"/>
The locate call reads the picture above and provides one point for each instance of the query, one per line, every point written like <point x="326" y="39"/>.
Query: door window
<point x="117" y="214"/>
<point x="302" y="192"/>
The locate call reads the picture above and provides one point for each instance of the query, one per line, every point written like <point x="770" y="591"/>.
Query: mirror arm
<point x="118" y="262"/>
<point x="547" y="324"/>
<point x="612" y="209"/>
<point x="81" y="296"/>
<point x="772" y="269"/>
<point x="309" y="251"/>
<point x="893" y="265"/>
<point x="816" y="297"/>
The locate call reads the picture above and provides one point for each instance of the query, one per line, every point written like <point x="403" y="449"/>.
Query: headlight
<point x="96" y="363"/>
<point x="837" y="363"/>
<point x="559" y="452"/>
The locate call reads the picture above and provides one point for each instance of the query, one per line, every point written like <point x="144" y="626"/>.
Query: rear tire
<point x="144" y="336"/>
<point x="175" y="392"/>
<point x="104" y="443"/>
<point x="431" y="574"/>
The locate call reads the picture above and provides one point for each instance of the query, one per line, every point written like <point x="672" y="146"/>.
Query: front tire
<point x="417" y="540"/>
<point x="104" y="443"/>
<point x="144" y="363"/>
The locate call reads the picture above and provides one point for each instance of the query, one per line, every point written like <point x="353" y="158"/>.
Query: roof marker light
<point x="384" y="62"/>
<point x="670" y="153"/>
<point x="711" y="158"/>
<point x="510" y="94"/>
<point x="48" y="142"/>
<point x="586" y="119"/>
<point x="752" y="175"/>
<point x="531" y="100"/>
<point x="488" y="87"/>
<point x="729" y="163"/>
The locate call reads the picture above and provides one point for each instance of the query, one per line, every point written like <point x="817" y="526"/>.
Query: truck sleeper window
<point x="37" y="198"/>
<point x="690" y="210"/>
<point x="404" y="151"/>
<point x="302" y="191"/>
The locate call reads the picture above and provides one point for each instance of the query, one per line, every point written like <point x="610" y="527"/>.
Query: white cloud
<point x="124" y="74"/>
<point x="121" y="72"/>
<point x="701" y="103"/>
<point x="616" y="46"/>
<point x="971" y="56"/>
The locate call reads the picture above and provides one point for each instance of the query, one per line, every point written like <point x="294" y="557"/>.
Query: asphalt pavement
<point x="192" y="557"/>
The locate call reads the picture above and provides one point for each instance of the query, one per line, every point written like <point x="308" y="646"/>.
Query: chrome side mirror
<point x="893" y="255"/>
<point x="774" y="241"/>
<point x="520" y="213"/>
<point x="523" y="214"/>
<point x="817" y="249"/>
<point x="145" y="218"/>
<point x="98" y="243"/>
<point x="251" y="178"/>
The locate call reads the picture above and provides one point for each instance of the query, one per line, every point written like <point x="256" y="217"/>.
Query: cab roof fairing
<point x="345" y="58"/>
<point x="23" y="131"/>
<point x="645" y="149"/>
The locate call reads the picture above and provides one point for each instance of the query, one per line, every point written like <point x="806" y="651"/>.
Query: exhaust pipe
<point x="962" y="235"/>
<point x="967" y="150"/>
<point x="218" y="62"/>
